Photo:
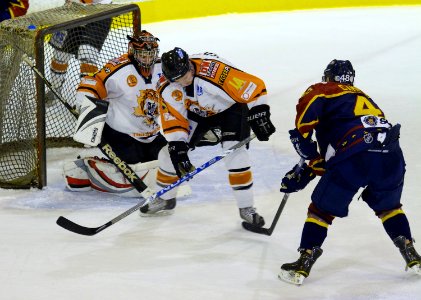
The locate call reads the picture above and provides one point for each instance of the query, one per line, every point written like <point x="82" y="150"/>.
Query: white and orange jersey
<point x="90" y="1"/>
<point x="217" y="85"/>
<point x="133" y="100"/>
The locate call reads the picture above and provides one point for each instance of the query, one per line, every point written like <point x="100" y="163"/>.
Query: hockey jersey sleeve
<point x="341" y="117"/>
<point x="237" y="85"/>
<point x="95" y="86"/>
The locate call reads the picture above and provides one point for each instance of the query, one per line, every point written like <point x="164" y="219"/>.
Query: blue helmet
<point x="175" y="64"/>
<point x="339" y="71"/>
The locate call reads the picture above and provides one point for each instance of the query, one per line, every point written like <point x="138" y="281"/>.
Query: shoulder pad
<point x="119" y="60"/>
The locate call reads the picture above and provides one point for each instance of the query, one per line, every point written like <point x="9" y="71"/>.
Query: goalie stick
<point x="268" y="231"/>
<point x="76" y="228"/>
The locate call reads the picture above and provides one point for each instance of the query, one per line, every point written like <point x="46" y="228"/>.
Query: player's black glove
<point x="305" y="147"/>
<point x="297" y="179"/>
<point x="259" y="120"/>
<point x="179" y="158"/>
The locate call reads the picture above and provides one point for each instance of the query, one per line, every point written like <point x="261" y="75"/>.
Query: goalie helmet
<point x="175" y="64"/>
<point x="144" y="50"/>
<point x="339" y="71"/>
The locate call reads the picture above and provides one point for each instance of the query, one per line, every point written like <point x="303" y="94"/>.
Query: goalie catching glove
<point x="297" y="179"/>
<point x="90" y="123"/>
<point x="179" y="158"/>
<point x="259" y="120"/>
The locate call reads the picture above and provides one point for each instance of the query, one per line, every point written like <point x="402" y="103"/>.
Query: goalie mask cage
<point x="27" y="124"/>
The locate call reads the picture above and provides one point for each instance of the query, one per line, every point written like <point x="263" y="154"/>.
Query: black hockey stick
<point x="50" y="86"/>
<point x="268" y="231"/>
<point x="105" y="148"/>
<point x="76" y="228"/>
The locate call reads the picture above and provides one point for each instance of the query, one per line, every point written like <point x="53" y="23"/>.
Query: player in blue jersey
<point x="356" y="148"/>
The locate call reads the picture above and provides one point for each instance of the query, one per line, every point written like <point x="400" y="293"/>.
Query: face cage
<point x="145" y="58"/>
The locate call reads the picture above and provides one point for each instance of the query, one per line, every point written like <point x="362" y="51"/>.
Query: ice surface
<point x="201" y="251"/>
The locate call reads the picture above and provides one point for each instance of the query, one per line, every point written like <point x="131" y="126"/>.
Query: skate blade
<point x="291" y="277"/>
<point x="161" y="213"/>
<point x="416" y="269"/>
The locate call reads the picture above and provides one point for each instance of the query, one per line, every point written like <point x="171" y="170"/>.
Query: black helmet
<point x="175" y="64"/>
<point x="339" y="71"/>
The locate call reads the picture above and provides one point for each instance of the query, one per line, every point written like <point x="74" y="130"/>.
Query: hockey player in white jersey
<point x="127" y="84"/>
<point x="201" y="92"/>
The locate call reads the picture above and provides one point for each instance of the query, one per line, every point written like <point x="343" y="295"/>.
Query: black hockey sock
<point x="313" y="234"/>
<point x="397" y="225"/>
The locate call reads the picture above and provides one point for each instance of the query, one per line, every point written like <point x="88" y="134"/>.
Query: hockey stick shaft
<point x="105" y="148"/>
<point x="76" y="228"/>
<point x="269" y="231"/>
<point x="28" y="61"/>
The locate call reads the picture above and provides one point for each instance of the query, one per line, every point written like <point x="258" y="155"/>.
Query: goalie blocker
<point x="90" y="123"/>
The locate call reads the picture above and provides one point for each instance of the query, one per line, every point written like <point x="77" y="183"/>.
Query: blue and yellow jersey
<point x="341" y="116"/>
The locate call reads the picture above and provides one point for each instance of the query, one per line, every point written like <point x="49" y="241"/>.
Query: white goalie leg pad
<point x="90" y="123"/>
<point x="76" y="176"/>
<point x="240" y="176"/>
<point x="105" y="177"/>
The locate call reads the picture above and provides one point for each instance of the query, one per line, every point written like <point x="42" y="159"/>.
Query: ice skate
<point x="158" y="207"/>
<point x="250" y="215"/>
<point x="296" y="272"/>
<point x="409" y="254"/>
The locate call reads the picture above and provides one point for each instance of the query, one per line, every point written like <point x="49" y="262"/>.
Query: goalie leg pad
<point x="101" y="175"/>
<point x="105" y="177"/>
<point x="76" y="176"/>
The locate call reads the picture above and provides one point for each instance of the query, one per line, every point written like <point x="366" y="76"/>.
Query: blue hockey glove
<point x="297" y="179"/>
<point x="179" y="158"/>
<point x="259" y="120"/>
<point x="305" y="147"/>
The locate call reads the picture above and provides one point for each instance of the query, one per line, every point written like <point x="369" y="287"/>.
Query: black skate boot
<point x="158" y="206"/>
<point x="409" y="254"/>
<point x="250" y="215"/>
<point x="296" y="272"/>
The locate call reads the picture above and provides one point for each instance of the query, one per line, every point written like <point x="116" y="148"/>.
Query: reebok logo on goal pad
<point x="119" y="163"/>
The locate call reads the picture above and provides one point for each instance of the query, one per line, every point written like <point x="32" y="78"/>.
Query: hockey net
<point x="28" y="125"/>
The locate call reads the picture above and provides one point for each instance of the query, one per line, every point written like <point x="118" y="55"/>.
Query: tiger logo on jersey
<point x="195" y="107"/>
<point x="147" y="108"/>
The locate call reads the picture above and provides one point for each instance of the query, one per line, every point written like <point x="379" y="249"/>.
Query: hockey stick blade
<point x="76" y="228"/>
<point x="268" y="231"/>
<point x="256" y="229"/>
